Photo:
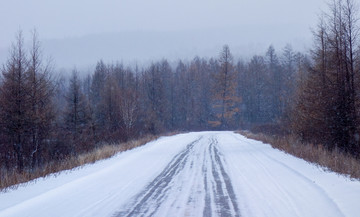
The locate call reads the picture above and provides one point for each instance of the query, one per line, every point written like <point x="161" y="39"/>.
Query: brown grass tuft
<point x="335" y="160"/>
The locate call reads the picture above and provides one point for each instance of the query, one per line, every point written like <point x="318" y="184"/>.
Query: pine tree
<point x="327" y="99"/>
<point x="257" y="93"/>
<point x="276" y="82"/>
<point x="41" y="90"/>
<point x="15" y="101"/>
<point x="97" y="97"/>
<point x="76" y="116"/>
<point x="224" y="94"/>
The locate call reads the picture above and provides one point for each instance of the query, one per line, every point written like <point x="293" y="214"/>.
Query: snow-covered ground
<point x="193" y="174"/>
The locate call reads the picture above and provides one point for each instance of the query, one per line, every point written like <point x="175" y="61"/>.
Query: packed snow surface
<point x="193" y="174"/>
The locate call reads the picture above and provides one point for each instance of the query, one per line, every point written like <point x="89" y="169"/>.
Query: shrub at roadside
<point x="333" y="160"/>
<point x="11" y="179"/>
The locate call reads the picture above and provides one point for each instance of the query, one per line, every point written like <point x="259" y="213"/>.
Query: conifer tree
<point x="15" y="101"/>
<point x="76" y="116"/>
<point x="327" y="98"/>
<point x="224" y="95"/>
<point x="41" y="90"/>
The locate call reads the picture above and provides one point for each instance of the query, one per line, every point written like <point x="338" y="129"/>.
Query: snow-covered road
<point x="193" y="174"/>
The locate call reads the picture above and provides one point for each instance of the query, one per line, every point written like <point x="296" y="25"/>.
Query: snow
<point x="252" y="178"/>
<point x="272" y="183"/>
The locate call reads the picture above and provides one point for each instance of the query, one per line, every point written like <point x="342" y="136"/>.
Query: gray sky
<point x="61" y="23"/>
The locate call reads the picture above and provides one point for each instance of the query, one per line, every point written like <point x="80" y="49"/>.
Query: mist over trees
<point x="314" y="97"/>
<point x="114" y="103"/>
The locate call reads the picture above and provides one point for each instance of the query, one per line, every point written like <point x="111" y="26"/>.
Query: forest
<point x="314" y="96"/>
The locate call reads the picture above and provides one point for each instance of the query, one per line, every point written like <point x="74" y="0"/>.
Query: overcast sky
<point x="68" y="19"/>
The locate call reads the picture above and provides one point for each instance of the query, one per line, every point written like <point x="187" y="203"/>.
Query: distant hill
<point x="143" y="47"/>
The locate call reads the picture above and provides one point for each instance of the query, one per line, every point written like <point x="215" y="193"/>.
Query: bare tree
<point x="129" y="110"/>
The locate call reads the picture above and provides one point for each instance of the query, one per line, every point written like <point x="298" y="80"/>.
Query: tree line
<point x="313" y="96"/>
<point x="326" y="109"/>
<point x="44" y="117"/>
